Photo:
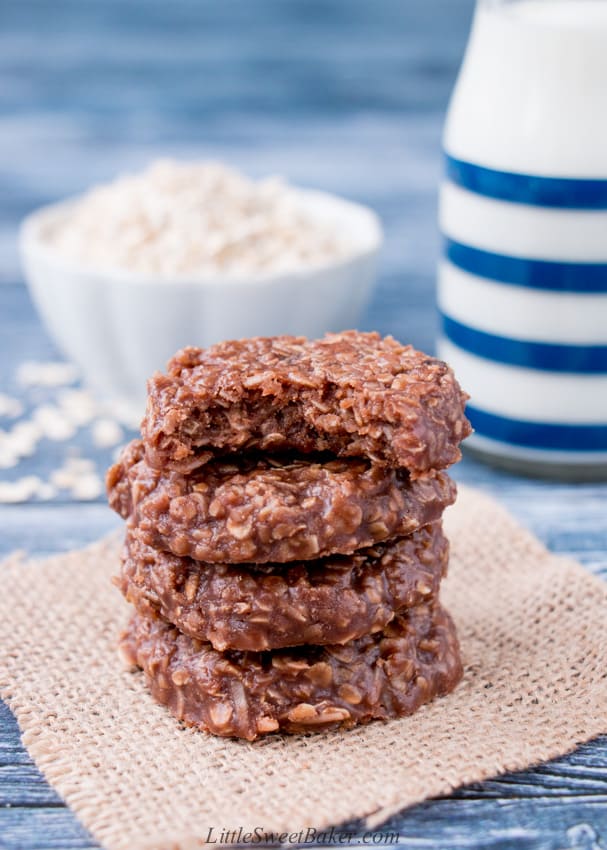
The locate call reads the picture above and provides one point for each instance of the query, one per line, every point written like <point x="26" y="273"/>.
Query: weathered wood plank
<point x="42" y="529"/>
<point x="44" y="828"/>
<point x="446" y="824"/>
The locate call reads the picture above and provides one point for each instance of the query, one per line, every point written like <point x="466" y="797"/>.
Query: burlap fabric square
<point x="533" y="629"/>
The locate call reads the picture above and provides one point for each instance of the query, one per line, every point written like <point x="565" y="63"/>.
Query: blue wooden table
<point x="345" y="95"/>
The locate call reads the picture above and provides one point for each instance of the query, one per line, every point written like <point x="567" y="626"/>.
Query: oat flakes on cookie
<point x="334" y="600"/>
<point x="271" y="509"/>
<point x="352" y="394"/>
<point x="246" y="694"/>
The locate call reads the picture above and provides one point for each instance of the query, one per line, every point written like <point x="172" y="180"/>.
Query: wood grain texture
<point x="341" y="94"/>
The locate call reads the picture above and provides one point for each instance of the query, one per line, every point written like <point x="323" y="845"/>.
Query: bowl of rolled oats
<point x="190" y="254"/>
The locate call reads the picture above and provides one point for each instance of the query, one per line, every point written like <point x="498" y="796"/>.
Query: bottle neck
<point x="532" y="92"/>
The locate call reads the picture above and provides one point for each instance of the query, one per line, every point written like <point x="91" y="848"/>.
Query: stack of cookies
<point x="284" y="548"/>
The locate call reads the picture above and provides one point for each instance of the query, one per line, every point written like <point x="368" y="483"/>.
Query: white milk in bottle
<point x="522" y="287"/>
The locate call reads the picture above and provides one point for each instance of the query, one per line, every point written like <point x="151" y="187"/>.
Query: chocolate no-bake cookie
<point x="388" y="674"/>
<point x="334" y="600"/>
<point x="353" y="394"/>
<point x="270" y="509"/>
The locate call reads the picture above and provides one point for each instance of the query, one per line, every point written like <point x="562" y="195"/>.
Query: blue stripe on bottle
<point x="538" y="435"/>
<point x="560" y="192"/>
<point x="581" y="359"/>
<point x="532" y="274"/>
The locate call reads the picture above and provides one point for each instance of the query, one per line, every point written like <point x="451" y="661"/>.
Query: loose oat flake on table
<point x="533" y="634"/>
<point x="52" y="410"/>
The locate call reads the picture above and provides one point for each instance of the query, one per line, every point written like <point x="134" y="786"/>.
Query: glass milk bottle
<point x="522" y="287"/>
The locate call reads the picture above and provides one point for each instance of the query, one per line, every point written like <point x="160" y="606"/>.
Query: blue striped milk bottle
<point x="522" y="283"/>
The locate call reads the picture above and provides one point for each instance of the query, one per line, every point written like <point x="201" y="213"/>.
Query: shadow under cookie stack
<point x="284" y="547"/>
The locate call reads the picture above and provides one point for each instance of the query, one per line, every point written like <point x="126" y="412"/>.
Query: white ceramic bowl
<point x="120" y="327"/>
